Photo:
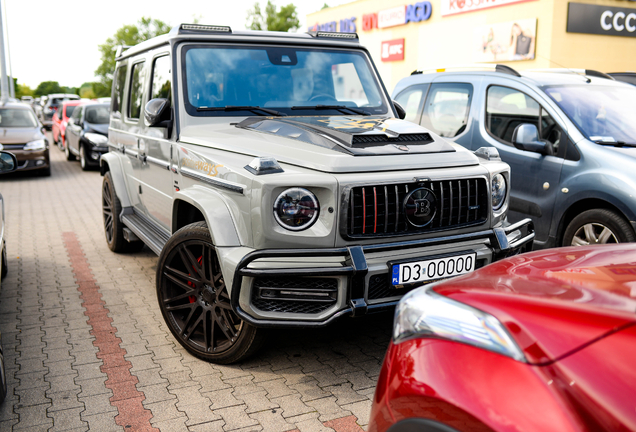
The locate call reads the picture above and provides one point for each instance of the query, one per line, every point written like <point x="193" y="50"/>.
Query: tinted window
<point x="446" y="109"/>
<point x="136" y="90"/>
<point x="118" y="89"/>
<point x="69" y="110"/>
<point x="77" y="114"/>
<point x="411" y="100"/>
<point x="97" y="114"/>
<point x="161" y="82"/>
<point x="17" y="118"/>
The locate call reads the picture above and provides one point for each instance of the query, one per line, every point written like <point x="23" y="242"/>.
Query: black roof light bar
<point x="335" y="35"/>
<point x="200" y="29"/>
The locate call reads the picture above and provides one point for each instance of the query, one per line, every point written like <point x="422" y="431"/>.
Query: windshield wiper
<point x="333" y="107"/>
<point x="615" y="143"/>
<point x="254" y="109"/>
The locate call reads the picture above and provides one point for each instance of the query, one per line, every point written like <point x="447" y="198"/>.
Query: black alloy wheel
<point x="113" y="227"/>
<point x="195" y="301"/>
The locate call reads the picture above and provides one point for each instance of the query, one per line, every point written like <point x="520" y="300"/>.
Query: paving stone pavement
<point x="61" y="376"/>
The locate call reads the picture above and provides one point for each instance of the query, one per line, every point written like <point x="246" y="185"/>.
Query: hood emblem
<point x="401" y="147"/>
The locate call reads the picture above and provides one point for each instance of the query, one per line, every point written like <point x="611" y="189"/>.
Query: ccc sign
<point x="602" y="20"/>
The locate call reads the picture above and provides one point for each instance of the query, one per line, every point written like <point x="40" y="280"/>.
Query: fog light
<point x="94" y="155"/>
<point x="39" y="163"/>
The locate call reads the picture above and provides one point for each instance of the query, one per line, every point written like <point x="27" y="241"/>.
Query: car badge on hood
<point x="401" y="147"/>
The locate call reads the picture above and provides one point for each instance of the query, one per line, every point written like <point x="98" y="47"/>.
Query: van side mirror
<point x="8" y="162"/>
<point x="400" y="110"/>
<point x="526" y="137"/>
<point x="157" y="111"/>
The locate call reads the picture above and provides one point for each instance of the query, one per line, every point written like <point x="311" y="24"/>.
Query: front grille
<point x="373" y="140"/>
<point x="294" y="295"/>
<point x="379" y="210"/>
<point x="13" y="146"/>
<point x="380" y="288"/>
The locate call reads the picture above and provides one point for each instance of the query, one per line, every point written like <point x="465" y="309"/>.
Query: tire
<point x="113" y="227"/>
<point x="45" y="172"/>
<point x="5" y="261"/>
<point x="598" y="226"/>
<point x="60" y="142"/>
<point x="196" y="304"/>
<point x="69" y="156"/>
<point x="3" y="378"/>
<point x="83" y="161"/>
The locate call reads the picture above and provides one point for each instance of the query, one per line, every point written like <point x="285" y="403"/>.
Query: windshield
<point x="279" y="78"/>
<point x="97" y="114"/>
<point x="602" y="113"/>
<point x="17" y="118"/>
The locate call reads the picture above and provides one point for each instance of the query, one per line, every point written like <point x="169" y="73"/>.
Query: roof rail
<point x="335" y="35"/>
<point x="119" y="49"/>
<point x="584" y="72"/>
<point x="202" y="29"/>
<point x="468" y="67"/>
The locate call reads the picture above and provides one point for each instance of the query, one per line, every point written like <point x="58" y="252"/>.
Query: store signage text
<point x="450" y="7"/>
<point x="392" y="50"/>
<point x="347" y="25"/>
<point x="397" y="16"/>
<point x="602" y="20"/>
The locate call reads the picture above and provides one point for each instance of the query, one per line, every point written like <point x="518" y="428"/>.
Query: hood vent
<point x="373" y="140"/>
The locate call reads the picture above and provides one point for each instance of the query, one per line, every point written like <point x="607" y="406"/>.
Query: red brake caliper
<point x="193" y="298"/>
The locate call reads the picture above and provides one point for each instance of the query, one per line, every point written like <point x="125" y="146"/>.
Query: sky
<point x="57" y="40"/>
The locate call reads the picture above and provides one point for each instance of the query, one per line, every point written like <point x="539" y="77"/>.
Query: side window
<point x="446" y="108"/>
<point x="136" y="91"/>
<point x="118" y="89"/>
<point x="508" y="108"/>
<point x="411" y="101"/>
<point x="161" y="82"/>
<point x="77" y="114"/>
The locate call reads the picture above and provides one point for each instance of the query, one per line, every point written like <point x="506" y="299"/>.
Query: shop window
<point x="447" y="108"/>
<point x="411" y="101"/>
<point x="136" y="91"/>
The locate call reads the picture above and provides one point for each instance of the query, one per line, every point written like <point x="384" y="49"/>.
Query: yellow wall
<point x="444" y="41"/>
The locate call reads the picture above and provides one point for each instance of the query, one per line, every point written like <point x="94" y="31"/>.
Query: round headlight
<point x="498" y="191"/>
<point x="296" y="209"/>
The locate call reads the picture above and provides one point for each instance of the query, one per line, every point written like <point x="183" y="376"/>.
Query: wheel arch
<point x="111" y="162"/>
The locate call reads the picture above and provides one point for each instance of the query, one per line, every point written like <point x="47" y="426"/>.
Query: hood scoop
<point x="366" y="136"/>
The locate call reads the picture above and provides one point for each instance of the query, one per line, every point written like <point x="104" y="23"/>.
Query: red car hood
<point x="557" y="301"/>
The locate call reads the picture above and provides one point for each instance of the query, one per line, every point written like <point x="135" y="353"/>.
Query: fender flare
<point x="217" y="214"/>
<point x="111" y="162"/>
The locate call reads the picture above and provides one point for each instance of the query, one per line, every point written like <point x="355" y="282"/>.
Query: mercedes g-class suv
<point x="271" y="174"/>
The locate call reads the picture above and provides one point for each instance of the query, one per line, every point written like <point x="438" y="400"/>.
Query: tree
<point x="47" y="87"/>
<point x="21" y="89"/>
<point x="284" y="20"/>
<point x="129" y="35"/>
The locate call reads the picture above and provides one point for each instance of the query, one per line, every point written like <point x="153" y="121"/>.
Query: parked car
<point x="60" y="121"/>
<point x="271" y="175"/>
<point x="538" y="342"/>
<point x="570" y="140"/>
<point x="27" y="99"/>
<point x="23" y="135"/>
<point x="87" y="134"/>
<point x="53" y="102"/>
<point x="628" y="77"/>
<point x="8" y="163"/>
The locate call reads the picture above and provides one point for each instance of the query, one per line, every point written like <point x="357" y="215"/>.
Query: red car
<point x="544" y="341"/>
<point x="60" y="120"/>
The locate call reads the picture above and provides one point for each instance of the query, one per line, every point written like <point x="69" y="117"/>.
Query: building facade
<point x="524" y="34"/>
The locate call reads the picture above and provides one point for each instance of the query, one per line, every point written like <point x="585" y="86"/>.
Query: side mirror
<point x="8" y="162"/>
<point x="400" y="110"/>
<point x="526" y="137"/>
<point x="157" y="111"/>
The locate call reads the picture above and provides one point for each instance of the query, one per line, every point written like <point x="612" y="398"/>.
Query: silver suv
<point x="270" y="174"/>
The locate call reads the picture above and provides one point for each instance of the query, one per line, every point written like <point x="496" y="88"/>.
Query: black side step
<point x="153" y="236"/>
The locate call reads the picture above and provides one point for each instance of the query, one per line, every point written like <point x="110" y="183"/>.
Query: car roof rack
<point x="119" y="49"/>
<point x="333" y="35"/>
<point x="471" y="67"/>
<point x="584" y="72"/>
<point x="202" y="29"/>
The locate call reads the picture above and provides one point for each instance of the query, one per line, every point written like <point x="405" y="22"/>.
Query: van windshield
<point x="605" y="114"/>
<point x="291" y="81"/>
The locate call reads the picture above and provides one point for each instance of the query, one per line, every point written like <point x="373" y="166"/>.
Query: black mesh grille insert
<point x="379" y="210"/>
<point x="294" y="294"/>
<point x="364" y="140"/>
<point x="380" y="288"/>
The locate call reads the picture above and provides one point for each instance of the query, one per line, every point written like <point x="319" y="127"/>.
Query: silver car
<point x="271" y="174"/>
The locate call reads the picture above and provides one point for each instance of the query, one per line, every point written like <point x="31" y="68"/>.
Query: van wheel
<point x="195" y="302"/>
<point x="69" y="156"/>
<point x="598" y="226"/>
<point x="113" y="227"/>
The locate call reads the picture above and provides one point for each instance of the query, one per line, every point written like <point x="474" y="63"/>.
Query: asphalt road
<point x="86" y="347"/>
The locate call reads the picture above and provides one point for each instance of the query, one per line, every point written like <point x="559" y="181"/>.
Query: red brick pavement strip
<point x="344" y="424"/>
<point x="126" y="398"/>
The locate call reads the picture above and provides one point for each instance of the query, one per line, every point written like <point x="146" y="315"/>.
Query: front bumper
<point x="354" y="280"/>
<point x="32" y="160"/>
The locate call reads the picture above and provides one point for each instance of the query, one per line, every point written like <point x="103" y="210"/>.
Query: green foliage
<point x="21" y="90"/>
<point x="47" y="87"/>
<point x="284" y="20"/>
<point x="86" y="91"/>
<point x="325" y="6"/>
<point x="129" y="35"/>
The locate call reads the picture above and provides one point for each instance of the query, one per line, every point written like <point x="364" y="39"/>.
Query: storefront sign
<point x="392" y="50"/>
<point x="451" y="7"/>
<point x="602" y="20"/>
<point x="417" y="12"/>
<point x="392" y="17"/>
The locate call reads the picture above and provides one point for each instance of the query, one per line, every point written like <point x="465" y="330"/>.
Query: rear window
<point x="17" y="118"/>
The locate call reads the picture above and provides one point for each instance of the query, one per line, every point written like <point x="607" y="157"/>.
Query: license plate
<point x="432" y="269"/>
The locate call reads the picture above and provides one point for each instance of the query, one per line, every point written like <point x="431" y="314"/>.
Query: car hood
<point x="19" y="135"/>
<point x="333" y="143"/>
<point x="555" y="302"/>
<point x="97" y="128"/>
